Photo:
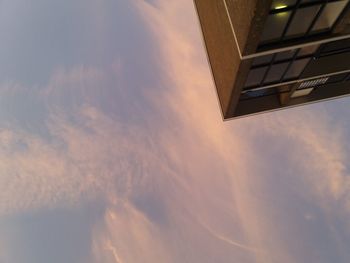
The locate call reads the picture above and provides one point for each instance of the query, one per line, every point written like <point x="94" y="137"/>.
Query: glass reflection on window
<point x="285" y="55"/>
<point x="262" y="60"/>
<point x="329" y="15"/>
<point x="308" y="50"/>
<point x="276" y="72"/>
<point x="274" y="26"/>
<point x="302" y="21"/>
<point x="290" y="19"/>
<point x="255" y="76"/>
<point x="296" y="68"/>
<point x="280" y="4"/>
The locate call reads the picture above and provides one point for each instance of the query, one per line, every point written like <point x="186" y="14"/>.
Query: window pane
<point x="274" y="26"/>
<point x="255" y="76"/>
<point x="276" y="72"/>
<point x="329" y="15"/>
<point x="296" y="68"/>
<point x="285" y="55"/>
<point x="309" y="1"/>
<point x="302" y="21"/>
<point x="262" y="60"/>
<point x="257" y="93"/>
<point x="279" y="4"/>
<point x="337" y="78"/>
<point x="308" y="50"/>
<point x="336" y="46"/>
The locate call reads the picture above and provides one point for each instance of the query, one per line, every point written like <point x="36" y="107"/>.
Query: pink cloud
<point x="190" y="188"/>
<point x="221" y="180"/>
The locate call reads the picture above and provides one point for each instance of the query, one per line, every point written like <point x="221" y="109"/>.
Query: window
<point x="302" y="21"/>
<point x="262" y="60"/>
<point x="252" y="94"/>
<point x="255" y="76"/>
<point x="255" y="93"/>
<point x="308" y="50"/>
<point x="335" y="46"/>
<point x="274" y="26"/>
<point x="309" y="1"/>
<point x="279" y="67"/>
<point x="285" y="55"/>
<point x="276" y="72"/>
<point x="337" y="78"/>
<point x="292" y="19"/>
<point x="280" y="4"/>
<point x="260" y="93"/>
<point x="329" y="15"/>
<point x="296" y="68"/>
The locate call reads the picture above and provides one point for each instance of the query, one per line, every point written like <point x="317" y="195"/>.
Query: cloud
<point x="178" y="183"/>
<point x="240" y="181"/>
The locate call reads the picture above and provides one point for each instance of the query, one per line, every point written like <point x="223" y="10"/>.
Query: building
<point x="272" y="54"/>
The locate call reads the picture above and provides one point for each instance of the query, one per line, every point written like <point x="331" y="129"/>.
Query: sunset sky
<point x="113" y="148"/>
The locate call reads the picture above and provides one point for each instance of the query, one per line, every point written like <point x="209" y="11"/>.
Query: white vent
<point x="313" y="83"/>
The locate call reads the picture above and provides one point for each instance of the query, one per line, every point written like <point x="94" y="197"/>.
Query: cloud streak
<point x="179" y="185"/>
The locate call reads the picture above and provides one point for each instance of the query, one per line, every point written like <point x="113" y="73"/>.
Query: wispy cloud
<point x="236" y="170"/>
<point x="178" y="183"/>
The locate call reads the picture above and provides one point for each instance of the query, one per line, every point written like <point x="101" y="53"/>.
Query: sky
<point x="113" y="148"/>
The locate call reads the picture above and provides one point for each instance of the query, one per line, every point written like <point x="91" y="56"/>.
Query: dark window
<point x="285" y="55"/>
<point x="296" y="68"/>
<point x="274" y="26"/>
<point x="279" y="67"/>
<point x="335" y="46"/>
<point x="302" y="21"/>
<point x="329" y="15"/>
<point x="258" y="93"/>
<point x="262" y="60"/>
<point x="279" y="4"/>
<point x="246" y="95"/>
<point x="292" y="19"/>
<point x="255" y="76"/>
<point x="337" y="78"/>
<point x="311" y="1"/>
<point x="255" y="93"/>
<point x="276" y="72"/>
<point x="308" y="50"/>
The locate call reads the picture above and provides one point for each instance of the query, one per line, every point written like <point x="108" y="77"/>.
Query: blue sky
<point x="112" y="147"/>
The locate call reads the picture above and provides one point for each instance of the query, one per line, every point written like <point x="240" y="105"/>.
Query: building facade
<point x="272" y="54"/>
